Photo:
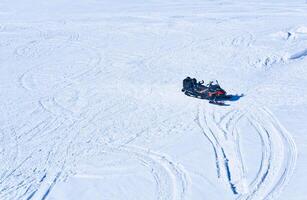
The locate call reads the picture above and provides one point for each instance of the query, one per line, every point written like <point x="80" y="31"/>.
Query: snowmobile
<point x="212" y="91"/>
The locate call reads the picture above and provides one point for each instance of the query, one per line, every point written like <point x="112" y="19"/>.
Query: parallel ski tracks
<point x="60" y="129"/>
<point x="224" y="147"/>
<point x="170" y="178"/>
<point x="278" y="149"/>
<point x="278" y="155"/>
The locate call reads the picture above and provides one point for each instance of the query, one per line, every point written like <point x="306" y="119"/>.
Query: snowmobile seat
<point x="188" y="84"/>
<point x="201" y="88"/>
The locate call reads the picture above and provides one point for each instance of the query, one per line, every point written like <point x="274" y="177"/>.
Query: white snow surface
<point x="91" y="102"/>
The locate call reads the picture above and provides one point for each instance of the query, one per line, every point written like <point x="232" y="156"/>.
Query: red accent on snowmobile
<point x="219" y="92"/>
<point x="210" y="91"/>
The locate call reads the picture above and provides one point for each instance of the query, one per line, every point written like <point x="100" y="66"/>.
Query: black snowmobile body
<point x="211" y="91"/>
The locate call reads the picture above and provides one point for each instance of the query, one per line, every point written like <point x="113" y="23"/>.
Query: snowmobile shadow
<point x="221" y="101"/>
<point x="231" y="97"/>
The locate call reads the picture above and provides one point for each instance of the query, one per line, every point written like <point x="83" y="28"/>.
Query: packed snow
<point x="91" y="102"/>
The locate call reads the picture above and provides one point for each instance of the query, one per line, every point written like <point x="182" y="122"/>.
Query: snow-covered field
<point x="91" y="103"/>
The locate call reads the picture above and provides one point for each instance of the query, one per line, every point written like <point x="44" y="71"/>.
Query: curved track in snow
<point x="171" y="179"/>
<point x="91" y="79"/>
<point x="278" y="156"/>
<point x="227" y="154"/>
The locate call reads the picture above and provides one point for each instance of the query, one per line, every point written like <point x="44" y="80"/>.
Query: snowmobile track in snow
<point x="278" y="156"/>
<point x="171" y="179"/>
<point x="224" y="146"/>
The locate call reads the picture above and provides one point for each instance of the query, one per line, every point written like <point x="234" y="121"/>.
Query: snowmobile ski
<point x="219" y="103"/>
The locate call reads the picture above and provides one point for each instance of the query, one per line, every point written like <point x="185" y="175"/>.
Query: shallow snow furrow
<point x="51" y="186"/>
<point x="8" y="152"/>
<point x="228" y="172"/>
<point x="62" y="139"/>
<point x="46" y="43"/>
<point x="89" y="79"/>
<point x="278" y="153"/>
<point x="290" y="153"/>
<point x="56" y="160"/>
<point x="265" y="164"/>
<point x="61" y="126"/>
<point x="227" y="124"/>
<point x="236" y="135"/>
<point x="223" y="117"/>
<point x="234" y="164"/>
<point x="202" y="123"/>
<point x="64" y="73"/>
<point x="171" y="179"/>
<point x="299" y="54"/>
<point x="15" y="169"/>
<point x="278" y="156"/>
<point x="225" y="146"/>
